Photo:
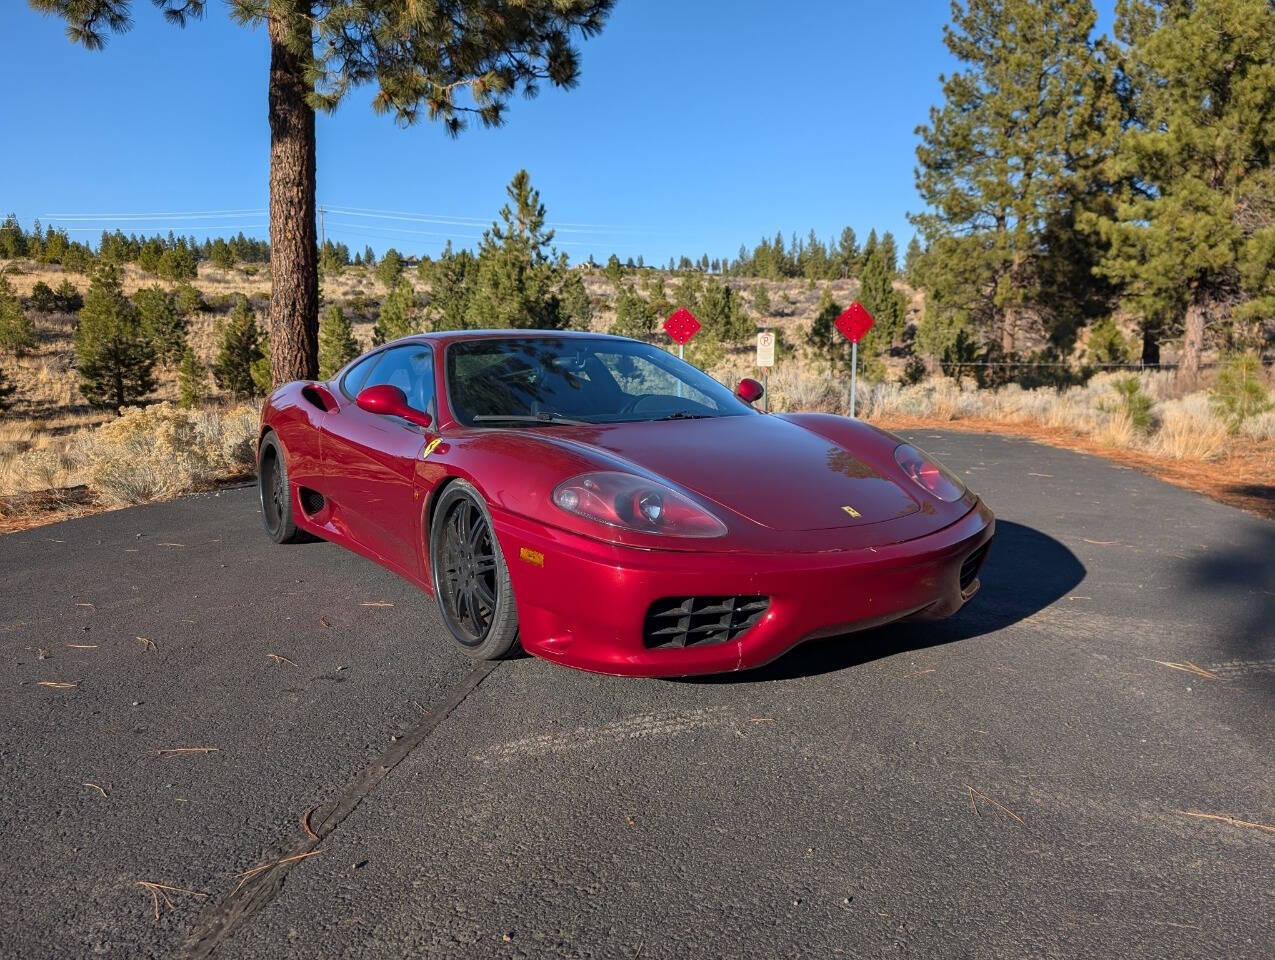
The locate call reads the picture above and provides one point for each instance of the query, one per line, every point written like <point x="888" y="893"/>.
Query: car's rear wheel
<point x="276" y="498"/>
<point x="471" y="580"/>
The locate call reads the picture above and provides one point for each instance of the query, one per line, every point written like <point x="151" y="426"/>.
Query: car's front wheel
<point x="471" y="580"/>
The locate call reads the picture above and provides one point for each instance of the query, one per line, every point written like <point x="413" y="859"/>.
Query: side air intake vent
<point x="318" y="396"/>
<point x="694" y="621"/>
<point x="971" y="565"/>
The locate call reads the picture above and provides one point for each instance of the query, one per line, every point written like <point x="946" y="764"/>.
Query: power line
<point x="201" y="215"/>
<point x="176" y="227"/>
<point x="472" y="221"/>
<point x="358" y="212"/>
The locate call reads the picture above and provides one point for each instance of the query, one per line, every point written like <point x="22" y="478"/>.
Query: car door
<point x="372" y="457"/>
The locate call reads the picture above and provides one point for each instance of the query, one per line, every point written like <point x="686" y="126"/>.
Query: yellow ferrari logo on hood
<point x="852" y="511"/>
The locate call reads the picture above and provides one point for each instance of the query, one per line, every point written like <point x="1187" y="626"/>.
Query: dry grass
<point x="1182" y="428"/>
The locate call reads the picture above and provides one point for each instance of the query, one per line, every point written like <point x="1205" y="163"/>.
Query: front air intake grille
<point x="971" y="565"/>
<point x="696" y="621"/>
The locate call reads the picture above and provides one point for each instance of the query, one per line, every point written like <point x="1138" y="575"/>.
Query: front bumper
<point x="582" y="602"/>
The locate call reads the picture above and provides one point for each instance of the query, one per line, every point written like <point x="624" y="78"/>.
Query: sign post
<point x="766" y="360"/>
<point x="681" y="326"/>
<point x="854" y="324"/>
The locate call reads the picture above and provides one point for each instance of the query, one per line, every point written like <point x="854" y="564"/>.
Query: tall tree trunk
<point x="1192" y="341"/>
<point x="294" y="266"/>
<point x="1150" y="343"/>
<point x="1009" y="324"/>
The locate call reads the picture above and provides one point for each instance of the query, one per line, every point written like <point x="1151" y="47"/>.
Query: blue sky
<point x="696" y="126"/>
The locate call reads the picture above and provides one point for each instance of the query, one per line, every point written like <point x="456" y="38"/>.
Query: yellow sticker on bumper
<point x="534" y="557"/>
<point x="431" y="447"/>
<point x="852" y="511"/>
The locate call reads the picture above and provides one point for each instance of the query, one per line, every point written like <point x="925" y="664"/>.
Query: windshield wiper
<point x="542" y="417"/>
<point x="687" y="415"/>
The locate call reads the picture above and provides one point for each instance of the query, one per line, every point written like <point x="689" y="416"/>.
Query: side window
<point x="411" y="369"/>
<point x="352" y="383"/>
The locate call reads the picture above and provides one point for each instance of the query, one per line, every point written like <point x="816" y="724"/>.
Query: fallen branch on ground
<point x="1225" y="819"/>
<point x="975" y="796"/>
<point x="158" y="890"/>
<point x="249" y="874"/>
<point x="1187" y="667"/>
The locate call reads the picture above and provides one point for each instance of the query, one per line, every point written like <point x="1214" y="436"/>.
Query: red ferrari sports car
<point x="611" y="507"/>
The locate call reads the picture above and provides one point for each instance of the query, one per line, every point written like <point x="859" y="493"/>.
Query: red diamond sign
<point x="681" y="326"/>
<point x="855" y="322"/>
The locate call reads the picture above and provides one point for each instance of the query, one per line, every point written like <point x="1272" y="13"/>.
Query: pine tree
<point x="398" y="314"/>
<point x="1193" y="237"/>
<point x="260" y="368"/>
<point x="337" y="345"/>
<point x="161" y="323"/>
<point x="221" y="255"/>
<point x="43" y="298"/>
<point x="67" y="298"/>
<point x="449" y="290"/>
<point x="390" y="269"/>
<point x="239" y="348"/>
<point x="1106" y="346"/>
<point x="13" y="239"/>
<point x="761" y="300"/>
<point x="825" y="340"/>
<point x="17" y="333"/>
<point x="887" y="306"/>
<point x="912" y="262"/>
<point x="189" y="300"/>
<point x="516" y="279"/>
<point x="634" y="316"/>
<point x="847" y="252"/>
<point x="657" y="294"/>
<point x="114" y="357"/>
<point x="192" y="380"/>
<point x="1240" y="392"/>
<point x="613" y="270"/>
<point x="722" y="314"/>
<point x="1007" y="159"/>
<point x="444" y="60"/>
<point x="576" y="307"/>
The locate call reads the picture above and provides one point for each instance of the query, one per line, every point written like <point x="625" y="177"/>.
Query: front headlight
<point x="927" y="472"/>
<point x="635" y="503"/>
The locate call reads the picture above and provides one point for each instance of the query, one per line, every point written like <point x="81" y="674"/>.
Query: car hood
<point x="767" y="469"/>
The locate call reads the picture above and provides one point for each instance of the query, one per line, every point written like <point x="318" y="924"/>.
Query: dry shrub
<point x="1117" y="430"/>
<point x="1189" y="430"/>
<point x="794" y="389"/>
<point x="43" y="466"/>
<point x="152" y="453"/>
<point x="1259" y="428"/>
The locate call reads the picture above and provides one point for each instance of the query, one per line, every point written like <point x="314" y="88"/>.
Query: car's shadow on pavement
<point x="1025" y="572"/>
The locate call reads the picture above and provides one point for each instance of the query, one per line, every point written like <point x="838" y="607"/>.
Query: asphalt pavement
<point x="211" y="745"/>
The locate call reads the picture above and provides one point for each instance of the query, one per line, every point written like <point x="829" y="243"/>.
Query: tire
<point x="276" y="496"/>
<point x="469" y="574"/>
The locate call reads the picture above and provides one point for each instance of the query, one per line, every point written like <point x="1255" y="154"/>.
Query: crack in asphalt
<point x="220" y="920"/>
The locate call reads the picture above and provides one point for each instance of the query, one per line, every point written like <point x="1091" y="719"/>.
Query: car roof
<point x="444" y="337"/>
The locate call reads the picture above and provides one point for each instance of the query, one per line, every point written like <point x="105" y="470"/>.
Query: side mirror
<point x="390" y="401"/>
<point x="749" y="390"/>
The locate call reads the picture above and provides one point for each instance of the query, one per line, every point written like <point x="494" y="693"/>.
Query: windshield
<point x="546" y="380"/>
